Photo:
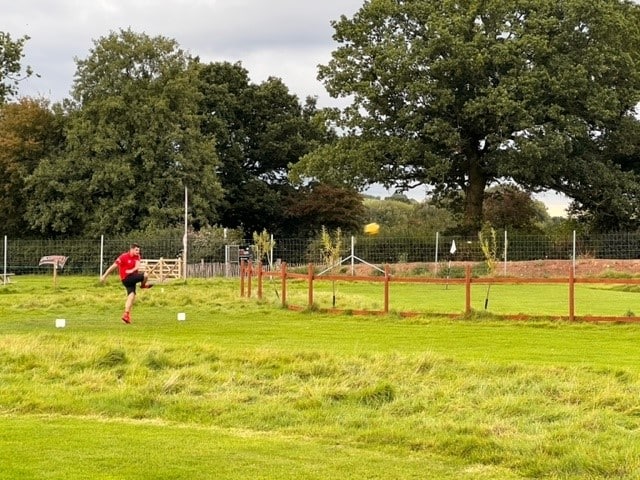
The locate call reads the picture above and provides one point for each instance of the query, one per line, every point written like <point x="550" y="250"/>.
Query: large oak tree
<point x="456" y="94"/>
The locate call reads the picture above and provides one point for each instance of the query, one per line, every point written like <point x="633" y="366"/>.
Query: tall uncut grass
<point x="245" y="389"/>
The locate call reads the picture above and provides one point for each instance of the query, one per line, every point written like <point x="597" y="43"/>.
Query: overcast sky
<point x="282" y="38"/>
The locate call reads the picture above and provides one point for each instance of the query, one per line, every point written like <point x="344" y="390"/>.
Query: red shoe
<point x="126" y="317"/>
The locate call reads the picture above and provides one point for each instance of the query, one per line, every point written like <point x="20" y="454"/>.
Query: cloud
<point x="282" y="38"/>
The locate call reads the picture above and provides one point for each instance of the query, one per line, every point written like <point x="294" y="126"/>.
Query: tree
<point x="459" y="94"/>
<point x="509" y="207"/>
<point x="402" y="219"/>
<point x="611" y="204"/>
<point x="260" y="129"/>
<point x="133" y="144"/>
<point x="30" y="131"/>
<point x="10" y="66"/>
<point x="315" y="206"/>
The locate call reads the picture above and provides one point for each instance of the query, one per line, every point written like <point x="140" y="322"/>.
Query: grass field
<point x="244" y="389"/>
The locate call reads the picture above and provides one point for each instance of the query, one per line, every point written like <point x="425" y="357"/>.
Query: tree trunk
<point x="474" y="196"/>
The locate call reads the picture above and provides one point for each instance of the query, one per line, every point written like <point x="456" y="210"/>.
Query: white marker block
<point x="182" y="316"/>
<point x="60" y="322"/>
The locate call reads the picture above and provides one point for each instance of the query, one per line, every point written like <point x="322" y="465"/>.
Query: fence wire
<point x="90" y="256"/>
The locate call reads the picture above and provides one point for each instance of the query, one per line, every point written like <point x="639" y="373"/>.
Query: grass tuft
<point x="112" y="358"/>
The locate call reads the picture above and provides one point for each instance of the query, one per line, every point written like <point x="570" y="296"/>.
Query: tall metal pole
<point x="184" y="237"/>
<point x="101" y="254"/>
<point x="506" y="243"/>
<point x="271" y="253"/>
<point x="573" y="262"/>
<point x="437" y="245"/>
<point x="353" y="251"/>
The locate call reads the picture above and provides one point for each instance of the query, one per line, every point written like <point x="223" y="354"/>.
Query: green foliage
<point x="402" y="219"/>
<point x="263" y="243"/>
<point x="11" y="54"/>
<point x="457" y="96"/>
<point x="259" y="130"/>
<point x="208" y="243"/>
<point x="133" y="145"/>
<point x="508" y="207"/>
<point x="331" y="246"/>
<point x="318" y="204"/>
<point x="489" y="246"/>
<point x="29" y="131"/>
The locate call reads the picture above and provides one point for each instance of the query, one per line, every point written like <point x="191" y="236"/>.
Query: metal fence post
<point x="572" y="295"/>
<point x="387" y="277"/>
<point x="436" y="259"/>
<point x="506" y="242"/>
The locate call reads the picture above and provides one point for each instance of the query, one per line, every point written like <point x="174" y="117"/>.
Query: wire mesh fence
<point x="216" y="257"/>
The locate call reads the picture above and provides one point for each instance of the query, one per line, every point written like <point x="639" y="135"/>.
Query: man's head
<point x="134" y="248"/>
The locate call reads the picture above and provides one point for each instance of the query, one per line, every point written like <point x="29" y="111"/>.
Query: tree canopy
<point x="147" y="120"/>
<point x="29" y="131"/>
<point x="509" y="207"/>
<point x="10" y="65"/>
<point x="133" y="143"/>
<point x="459" y="94"/>
<point x="260" y="130"/>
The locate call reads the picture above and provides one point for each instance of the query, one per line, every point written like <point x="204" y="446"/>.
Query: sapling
<point x="331" y="247"/>
<point x="489" y="246"/>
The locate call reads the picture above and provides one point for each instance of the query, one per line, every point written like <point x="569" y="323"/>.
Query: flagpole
<point x="452" y="250"/>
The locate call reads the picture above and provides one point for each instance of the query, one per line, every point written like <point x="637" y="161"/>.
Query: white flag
<point x="453" y="247"/>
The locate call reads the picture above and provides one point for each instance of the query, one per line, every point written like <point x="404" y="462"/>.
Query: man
<point x="128" y="264"/>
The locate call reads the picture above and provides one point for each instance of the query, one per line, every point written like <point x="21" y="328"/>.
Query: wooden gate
<point x="162" y="269"/>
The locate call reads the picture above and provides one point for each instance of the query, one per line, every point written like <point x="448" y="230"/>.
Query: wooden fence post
<point x="259" y="280"/>
<point x="387" y="277"/>
<point x="249" y="275"/>
<point x="283" y="273"/>
<point x="242" y="278"/>
<point x="310" y="280"/>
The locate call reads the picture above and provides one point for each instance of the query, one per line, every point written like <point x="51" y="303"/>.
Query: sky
<point x="281" y="38"/>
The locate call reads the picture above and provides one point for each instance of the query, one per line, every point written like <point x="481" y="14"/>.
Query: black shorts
<point x="131" y="280"/>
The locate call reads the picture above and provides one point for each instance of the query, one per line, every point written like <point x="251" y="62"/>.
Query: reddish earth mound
<point x="530" y="269"/>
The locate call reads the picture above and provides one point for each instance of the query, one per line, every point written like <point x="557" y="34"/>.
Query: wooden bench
<point x="6" y="278"/>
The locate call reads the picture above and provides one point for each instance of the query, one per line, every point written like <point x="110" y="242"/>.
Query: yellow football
<point x="371" y="228"/>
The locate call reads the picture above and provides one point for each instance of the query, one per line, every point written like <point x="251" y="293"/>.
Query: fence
<point x="249" y="271"/>
<point x="90" y="256"/>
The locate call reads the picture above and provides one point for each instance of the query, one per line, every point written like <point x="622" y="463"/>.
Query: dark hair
<point x="134" y="245"/>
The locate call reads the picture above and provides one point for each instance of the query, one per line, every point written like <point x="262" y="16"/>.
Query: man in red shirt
<point x="128" y="265"/>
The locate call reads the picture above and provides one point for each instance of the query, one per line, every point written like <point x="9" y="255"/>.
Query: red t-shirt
<point x="125" y="262"/>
